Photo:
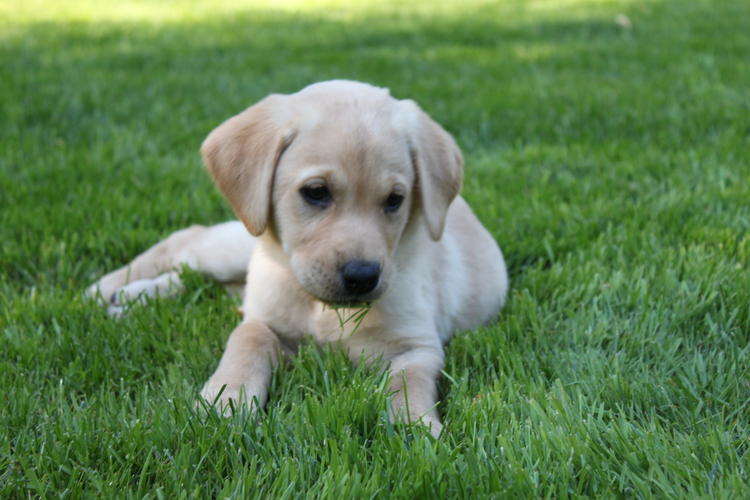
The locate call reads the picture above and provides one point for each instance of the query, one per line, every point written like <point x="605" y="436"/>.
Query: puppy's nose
<point x="360" y="276"/>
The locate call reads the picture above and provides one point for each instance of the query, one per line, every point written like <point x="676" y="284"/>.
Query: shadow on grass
<point x="471" y="72"/>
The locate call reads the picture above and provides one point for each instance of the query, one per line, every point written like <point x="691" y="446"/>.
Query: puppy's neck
<point x="273" y="248"/>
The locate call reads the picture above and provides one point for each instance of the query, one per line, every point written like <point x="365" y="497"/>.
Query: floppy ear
<point x="242" y="153"/>
<point x="438" y="164"/>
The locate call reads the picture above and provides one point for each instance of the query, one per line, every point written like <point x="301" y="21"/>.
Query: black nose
<point x="360" y="276"/>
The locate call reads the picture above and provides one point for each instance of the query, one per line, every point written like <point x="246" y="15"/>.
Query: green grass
<point x="612" y="165"/>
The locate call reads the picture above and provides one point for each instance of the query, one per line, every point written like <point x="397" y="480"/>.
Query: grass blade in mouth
<point x="356" y="316"/>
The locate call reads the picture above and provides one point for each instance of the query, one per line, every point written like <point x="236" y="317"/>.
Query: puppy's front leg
<point x="414" y="383"/>
<point x="245" y="368"/>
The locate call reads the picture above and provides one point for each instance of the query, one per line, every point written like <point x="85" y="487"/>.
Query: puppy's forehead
<point x="344" y="90"/>
<point x="352" y="130"/>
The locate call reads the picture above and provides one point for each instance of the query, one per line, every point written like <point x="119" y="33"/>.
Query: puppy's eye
<point x="317" y="195"/>
<point x="392" y="203"/>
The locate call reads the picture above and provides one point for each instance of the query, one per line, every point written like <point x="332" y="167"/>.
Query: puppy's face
<point x="342" y="196"/>
<point x="337" y="170"/>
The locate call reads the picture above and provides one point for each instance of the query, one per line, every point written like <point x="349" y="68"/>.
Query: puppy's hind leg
<point x="222" y="252"/>
<point x="164" y="285"/>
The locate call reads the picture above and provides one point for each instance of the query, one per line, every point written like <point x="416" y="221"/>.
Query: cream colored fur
<point x="441" y="271"/>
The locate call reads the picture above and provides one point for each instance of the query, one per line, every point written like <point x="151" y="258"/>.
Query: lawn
<point x="611" y="160"/>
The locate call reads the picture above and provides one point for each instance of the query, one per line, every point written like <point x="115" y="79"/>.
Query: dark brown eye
<point x="392" y="203"/>
<point x="317" y="195"/>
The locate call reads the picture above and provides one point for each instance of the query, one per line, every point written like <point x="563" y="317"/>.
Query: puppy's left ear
<point x="242" y="154"/>
<point x="438" y="163"/>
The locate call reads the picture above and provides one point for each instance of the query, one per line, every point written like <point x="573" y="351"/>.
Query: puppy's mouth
<point x="343" y="300"/>
<point x="347" y="304"/>
<point x="352" y="301"/>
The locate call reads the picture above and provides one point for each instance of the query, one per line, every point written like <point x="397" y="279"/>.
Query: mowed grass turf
<point x="611" y="162"/>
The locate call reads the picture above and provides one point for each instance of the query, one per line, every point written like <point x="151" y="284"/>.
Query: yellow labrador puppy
<point x="351" y="198"/>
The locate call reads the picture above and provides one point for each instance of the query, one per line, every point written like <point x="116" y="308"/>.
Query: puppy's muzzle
<point x="360" y="277"/>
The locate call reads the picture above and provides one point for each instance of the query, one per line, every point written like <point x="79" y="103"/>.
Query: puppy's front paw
<point x="430" y="422"/>
<point x="433" y="425"/>
<point x="227" y="398"/>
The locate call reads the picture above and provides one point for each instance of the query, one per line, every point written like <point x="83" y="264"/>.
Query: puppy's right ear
<point x="242" y="153"/>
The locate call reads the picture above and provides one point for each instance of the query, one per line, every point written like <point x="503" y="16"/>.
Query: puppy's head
<point x="336" y="171"/>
